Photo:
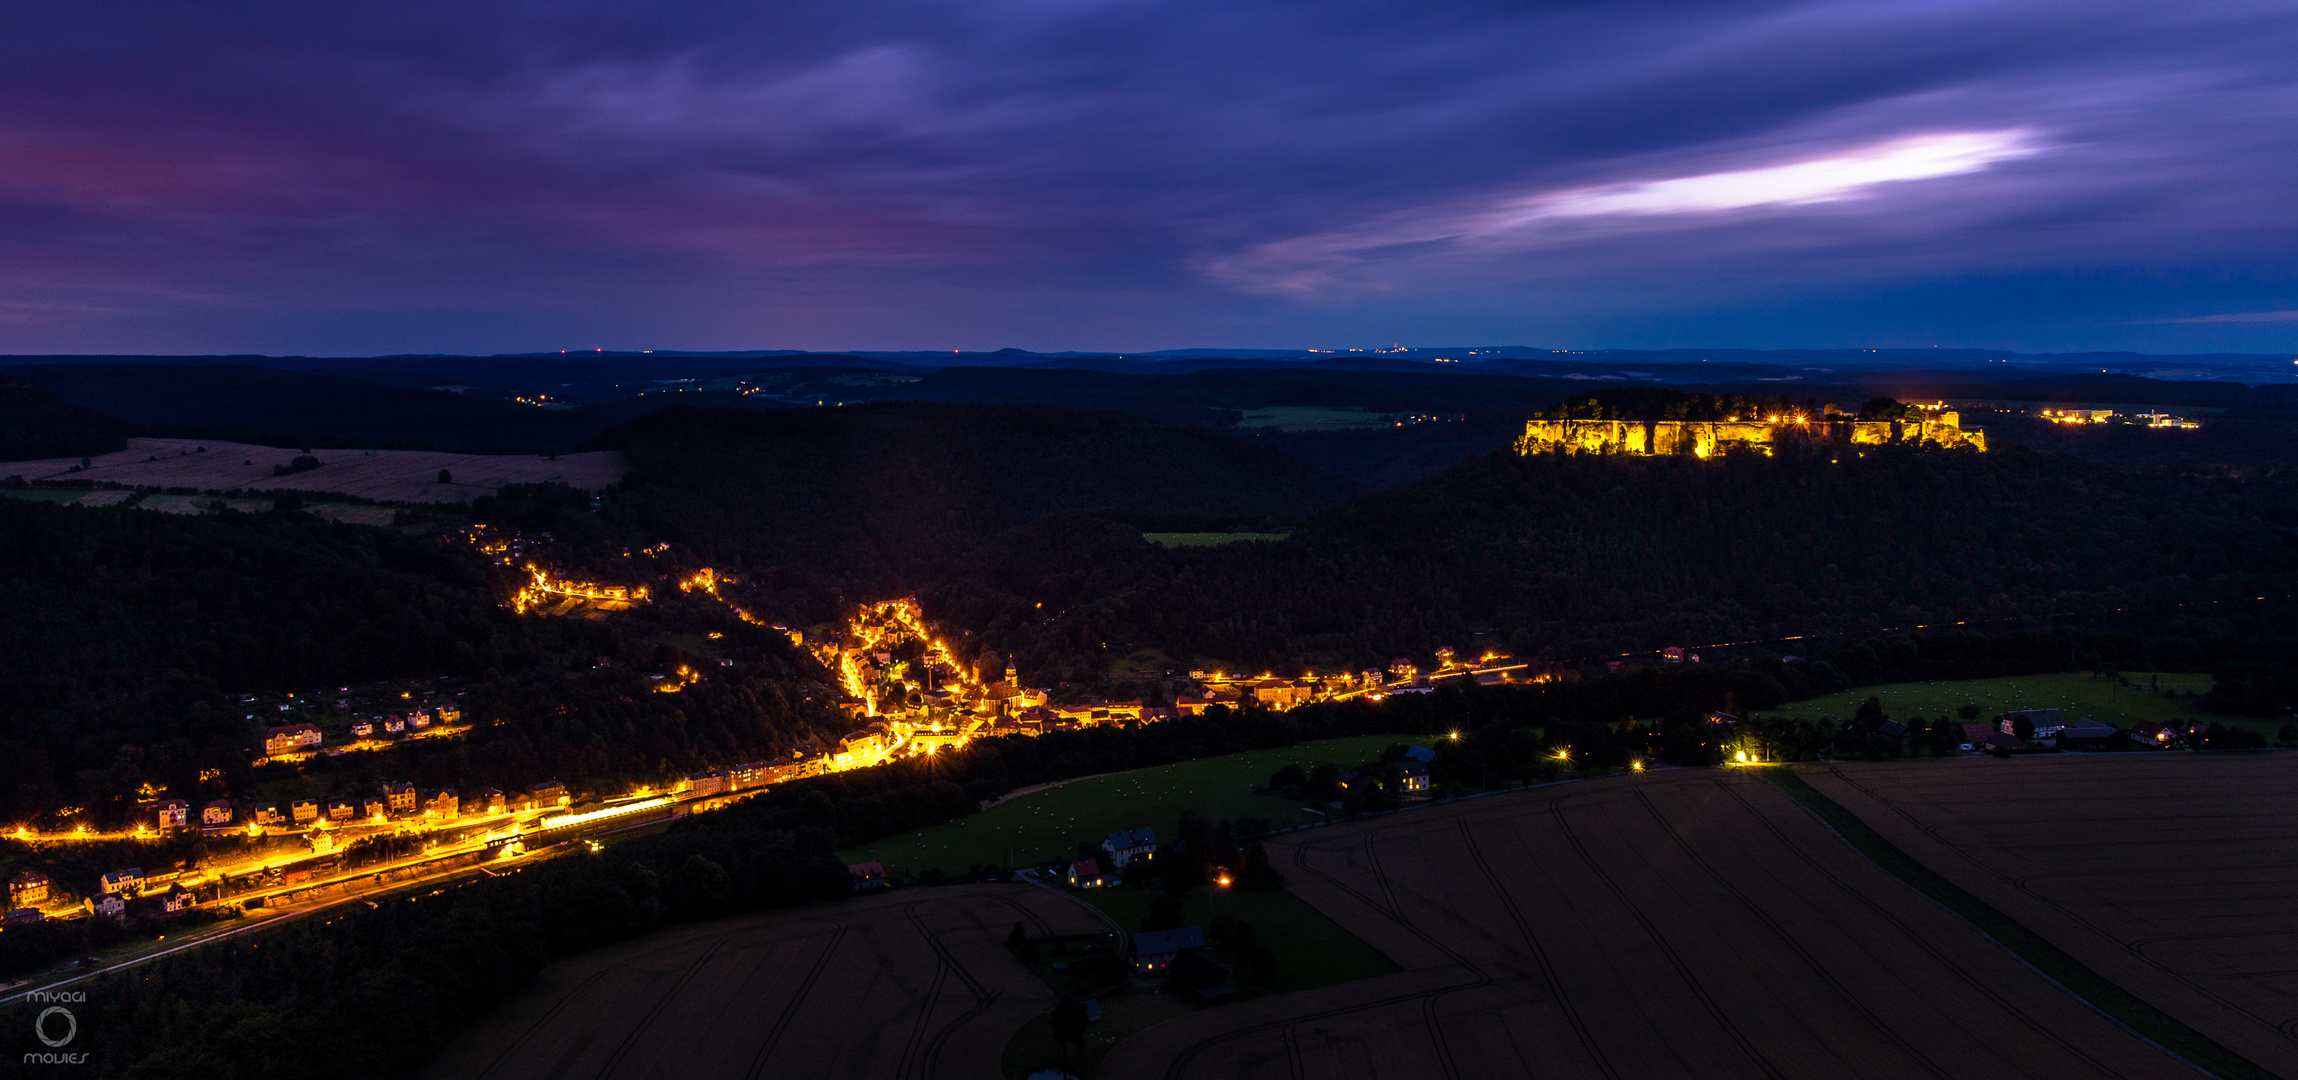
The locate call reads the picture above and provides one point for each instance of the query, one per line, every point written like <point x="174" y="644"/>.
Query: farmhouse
<point x="1085" y="874"/>
<point x="1155" y="951"/>
<point x="2046" y="722"/>
<point x="1411" y="777"/>
<point x="868" y="877"/>
<point x="1124" y="847"/>
<point x="2086" y="733"/>
<point x="2149" y="733"/>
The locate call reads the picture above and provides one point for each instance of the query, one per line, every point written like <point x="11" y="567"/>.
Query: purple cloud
<point x="1133" y="174"/>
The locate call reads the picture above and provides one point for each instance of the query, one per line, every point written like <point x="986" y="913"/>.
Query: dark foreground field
<point x="914" y="984"/>
<point x="1681" y="924"/>
<point x="2174" y="875"/>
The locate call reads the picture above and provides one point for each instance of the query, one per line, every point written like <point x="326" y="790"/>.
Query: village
<point x="906" y="693"/>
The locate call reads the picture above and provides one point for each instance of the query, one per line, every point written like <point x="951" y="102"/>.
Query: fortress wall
<point x="1706" y="439"/>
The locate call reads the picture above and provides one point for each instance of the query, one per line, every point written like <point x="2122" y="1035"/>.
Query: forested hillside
<point x="1592" y="556"/>
<point x="34" y="424"/>
<point x="132" y="634"/>
<point x="274" y="407"/>
<point x="880" y="497"/>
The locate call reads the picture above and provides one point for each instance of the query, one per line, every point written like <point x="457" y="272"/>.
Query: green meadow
<point x="1178" y="540"/>
<point x="2078" y="695"/>
<point x="1311" y="418"/>
<point x="1050" y="823"/>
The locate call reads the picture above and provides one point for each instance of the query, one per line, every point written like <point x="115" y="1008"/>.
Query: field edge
<point x="2103" y="995"/>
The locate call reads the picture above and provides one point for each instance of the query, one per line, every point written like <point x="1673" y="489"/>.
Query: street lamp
<point x="1212" y="899"/>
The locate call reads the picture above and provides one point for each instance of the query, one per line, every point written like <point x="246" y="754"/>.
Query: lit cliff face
<point x="1709" y="438"/>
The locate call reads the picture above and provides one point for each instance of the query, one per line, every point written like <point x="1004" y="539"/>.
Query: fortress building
<point x="1938" y="427"/>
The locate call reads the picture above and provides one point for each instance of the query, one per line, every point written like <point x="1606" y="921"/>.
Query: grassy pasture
<point x="1049" y="823"/>
<point x="1179" y="540"/>
<point x="2101" y="699"/>
<point x="46" y="495"/>
<point x="1311" y="418"/>
<point x="392" y="475"/>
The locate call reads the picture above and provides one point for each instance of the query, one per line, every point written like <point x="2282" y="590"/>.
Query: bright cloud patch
<point x="1823" y="180"/>
<point x="1304" y="263"/>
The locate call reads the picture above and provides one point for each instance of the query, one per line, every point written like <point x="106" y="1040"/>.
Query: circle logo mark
<point x="71" y="1025"/>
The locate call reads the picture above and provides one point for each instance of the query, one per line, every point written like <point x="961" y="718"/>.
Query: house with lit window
<point x="868" y="877"/>
<point x="342" y="809"/>
<point x="291" y="739"/>
<point x="304" y="811"/>
<point x="28" y="889"/>
<point x="216" y="813"/>
<point x="710" y="782"/>
<point x="1411" y="777"/>
<point x="120" y="881"/>
<point x="1086" y="874"/>
<point x="1124" y="847"/>
<point x="374" y="806"/>
<point x="1154" y="952"/>
<point x="361" y="729"/>
<point x="549" y="793"/>
<point x="442" y="804"/>
<point x="489" y="801"/>
<point x="269" y="814"/>
<point x="174" y="813"/>
<point x="401" y="797"/>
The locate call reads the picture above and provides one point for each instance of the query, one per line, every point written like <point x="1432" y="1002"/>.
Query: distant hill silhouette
<point x="34" y="423"/>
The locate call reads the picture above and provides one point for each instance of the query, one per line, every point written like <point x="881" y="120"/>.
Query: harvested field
<point x="911" y="984"/>
<point x="383" y="475"/>
<point x="1675" y="924"/>
<point x="2172" y="875"/>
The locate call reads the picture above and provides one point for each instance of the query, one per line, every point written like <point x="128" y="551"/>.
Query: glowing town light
<point x="1743" y="756"/>
<point x="562" y="821"/>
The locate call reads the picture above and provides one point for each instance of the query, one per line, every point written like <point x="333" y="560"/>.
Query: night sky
<point x="426" y="176"/>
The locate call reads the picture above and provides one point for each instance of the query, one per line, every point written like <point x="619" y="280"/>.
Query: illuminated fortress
<point x="1937" y="427"/>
